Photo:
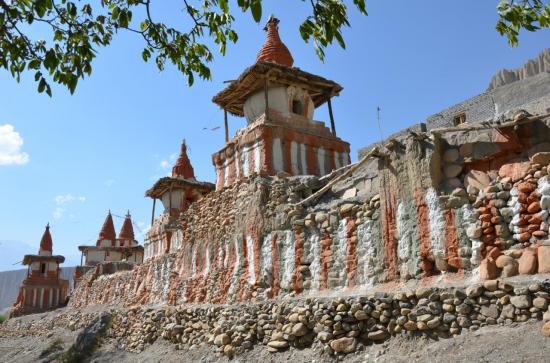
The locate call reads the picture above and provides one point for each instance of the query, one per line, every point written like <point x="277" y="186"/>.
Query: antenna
<point x="378" y="109"/>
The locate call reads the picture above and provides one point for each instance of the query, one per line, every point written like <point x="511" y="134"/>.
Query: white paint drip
<point x="245" y="160"/>
<point x="207" y="263"/>
<point x="277" y="155"/>
<point x="250" y="258"/>
<point x="194" y="251"/>
<point x="224" y="248"/>
<point x="344" y="158"/>
<point x="266" y="261"/>
<point x="315" y="266"/>
<point x="321" y="161"/>
<point x="437" y="226"/>
<point x="365" y="252"/>
<point x="287" y="256"/>
<point x="337" y="160"/>
<point x="257" y="156"/>
<point x="470" y="218"/>
<point x="404" y="239"/>
<point x="303" y="148"/>
<point x="238" y="164"/>
<point x="294" y="157"/>
<point x="342" y="251"/>
<point x="237" y="269"/>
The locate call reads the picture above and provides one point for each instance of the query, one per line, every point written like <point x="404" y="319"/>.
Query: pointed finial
<point x="128" y="213"/>
<point x="272" y="19"/>
<point x="273" y="49"/>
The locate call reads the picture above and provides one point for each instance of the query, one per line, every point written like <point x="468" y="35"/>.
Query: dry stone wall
<point x="464" y="205"/>
<point x="332" y="326"/>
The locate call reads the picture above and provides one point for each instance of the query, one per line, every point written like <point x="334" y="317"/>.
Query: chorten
<point x="43" y="289"/>
<point x="110" y="254"/>
<point x="176" y="192"/>
<point x="278" y="102"/>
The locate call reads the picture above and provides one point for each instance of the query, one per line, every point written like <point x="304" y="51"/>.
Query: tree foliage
<point x="530" y="15"/>
<point x="77" y="30"/>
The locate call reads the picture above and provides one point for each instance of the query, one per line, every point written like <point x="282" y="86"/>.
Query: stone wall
<point x="334" y="326"/>
<point x="464" y="205"/>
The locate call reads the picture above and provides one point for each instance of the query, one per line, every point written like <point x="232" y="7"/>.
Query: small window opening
<point x="459" y="119"/>
<point x="43" y="268"/>
<point x="297" y="107"/>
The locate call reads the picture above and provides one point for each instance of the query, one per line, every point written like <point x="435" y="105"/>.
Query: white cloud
<point x="58" y="213"/>
<point x="10" y="147"/>
<point x="164" y="164"/>
<point x="63" y="200"/>
<point x="109" y="183"/>
<point x="68" y="198"/>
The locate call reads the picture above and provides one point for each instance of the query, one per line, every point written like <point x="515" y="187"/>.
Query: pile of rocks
<point x="333" y="326"/>
<point x="48" y="322"/>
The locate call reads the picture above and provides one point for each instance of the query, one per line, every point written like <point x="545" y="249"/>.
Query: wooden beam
<point x="226" y="126"/>
<point x="153" y="214"/>
<point x="332" y="126"/>
<point x="487" y="125"/>
<point x="375" y="152"/>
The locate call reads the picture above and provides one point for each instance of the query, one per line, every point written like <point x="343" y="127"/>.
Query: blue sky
<point x="102" y="147"/>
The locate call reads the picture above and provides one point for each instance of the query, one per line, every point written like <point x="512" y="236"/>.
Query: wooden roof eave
<point x="164" y="184"/>
<point x="28" y="259"/>
<point x="232" y="98"/>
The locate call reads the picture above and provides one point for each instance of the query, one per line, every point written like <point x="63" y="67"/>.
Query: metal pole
<point x="332" y="126"/>
<point x="226" y="126"/>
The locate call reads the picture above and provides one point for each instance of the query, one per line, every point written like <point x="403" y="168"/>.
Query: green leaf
<point x="256" y="8"/>
<point x="41" y="85"/>
<point x="224" y="6"/>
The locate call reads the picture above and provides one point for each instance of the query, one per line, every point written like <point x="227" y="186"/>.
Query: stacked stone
<point x="333" y="326"/>
<point x="493" y="230"/>
<point x="531" y="223"/>
<point x="452" y="168"/>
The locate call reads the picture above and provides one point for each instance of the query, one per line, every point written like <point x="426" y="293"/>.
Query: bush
<point x="3" y="318"/>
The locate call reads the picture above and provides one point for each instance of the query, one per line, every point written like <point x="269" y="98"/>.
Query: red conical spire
<point x="108" y="230"/>
<point x="127" y="231"/>
<point x="183" y="166"/>
<point x="274" y="49"/>
<point x="46" y="243"/>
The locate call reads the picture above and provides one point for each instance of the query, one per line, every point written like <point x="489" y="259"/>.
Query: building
<point x="43" y="289"/>
<point x="109" y="248"/>
<point x="278" y="102"/>
<point x="177" y="193"/>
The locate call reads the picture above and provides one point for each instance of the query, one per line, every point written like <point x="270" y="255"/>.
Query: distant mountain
<point x="10" y="281"/>
<point x="12" y="254"/>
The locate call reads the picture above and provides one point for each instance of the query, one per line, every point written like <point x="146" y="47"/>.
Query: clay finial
<point x="108" y="230"/>
<point x="274" y="49"/>
<point x="127" y="230"/>
<point x="46" y="241"/>
<point x="183" y="167"/>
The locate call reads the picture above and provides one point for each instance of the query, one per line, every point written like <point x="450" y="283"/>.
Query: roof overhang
<point x="233" y="97"/>
<point x="110" y="248"/>
<point x="28" y="259"/>
<point x="165" y="184"/>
